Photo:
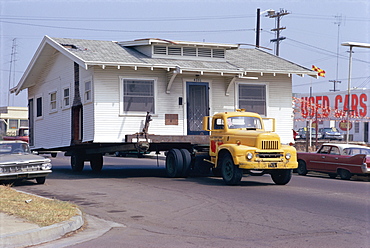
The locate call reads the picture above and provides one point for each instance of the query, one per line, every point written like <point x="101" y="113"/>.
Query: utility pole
<point x="12" y="67"/>
<point x="338" y="22"/>
<point x="277" y="29"/>
<point x="258" y="28"/>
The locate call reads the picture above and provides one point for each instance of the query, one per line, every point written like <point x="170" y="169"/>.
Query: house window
<point x="87" y="91"/>
<point x="138" y="95"/>
<point x="253" y="98"/>
<point x="53" y="101"/>
<point x="357" y="127"/>
<point x="39" y="107"/>
<point x="13" y="124"/>
<point x="66" y="97"/>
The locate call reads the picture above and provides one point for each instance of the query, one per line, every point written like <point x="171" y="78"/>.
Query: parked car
<point x="344" y="160"/>
<point x="18" y="163"/>
<point x="330" y="133"/>
<point x="303" y="132"/>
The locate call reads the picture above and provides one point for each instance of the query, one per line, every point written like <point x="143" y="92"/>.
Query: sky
<point x="314" y="32"/>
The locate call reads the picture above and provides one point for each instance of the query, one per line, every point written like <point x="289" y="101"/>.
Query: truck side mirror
<point x="269" y="124"/>
<point x="206" y="123"/>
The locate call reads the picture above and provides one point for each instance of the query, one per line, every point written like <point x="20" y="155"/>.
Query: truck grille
<point x="270" y="144"/>
<point x="270" y="155"/>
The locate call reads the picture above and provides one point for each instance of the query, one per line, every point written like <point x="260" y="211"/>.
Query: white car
<point x="18" y="163"/>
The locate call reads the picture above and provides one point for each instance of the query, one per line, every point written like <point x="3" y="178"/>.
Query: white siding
<point x="102" y="121"/>
<point x="53" y="128"/>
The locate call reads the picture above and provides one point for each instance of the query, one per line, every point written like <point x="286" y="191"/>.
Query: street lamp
<point x="351" y="45"/>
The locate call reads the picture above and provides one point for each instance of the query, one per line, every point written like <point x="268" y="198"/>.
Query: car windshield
<point x="355" y="150"/>
<point x="247" y="122"/>
<point x="333" y="129"/>
<point x="7" y="148"/>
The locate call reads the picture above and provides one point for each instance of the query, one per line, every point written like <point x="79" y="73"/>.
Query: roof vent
<point x="69" y="46"/>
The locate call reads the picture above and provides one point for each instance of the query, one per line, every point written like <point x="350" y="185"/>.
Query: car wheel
<point x="40" y="180"/>
<point x="302" y="168"/>
<point x="345" y="174"/>
<point x="231" y="174"/>
<point x="281" y="177"/>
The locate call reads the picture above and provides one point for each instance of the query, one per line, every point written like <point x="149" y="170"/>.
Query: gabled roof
<point x="238" y="62"/>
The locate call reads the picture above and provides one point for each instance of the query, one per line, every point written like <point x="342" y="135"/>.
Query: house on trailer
<point x="91" y="91"/>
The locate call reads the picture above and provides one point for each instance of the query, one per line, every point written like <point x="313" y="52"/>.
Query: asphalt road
<point x="311" y="211"/>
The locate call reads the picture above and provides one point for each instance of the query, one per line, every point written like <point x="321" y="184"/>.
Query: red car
<point x="344" y="160"/>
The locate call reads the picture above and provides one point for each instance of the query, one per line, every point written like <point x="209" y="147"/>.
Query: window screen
<point x="252" y="98"/>
<point x="138" y="95"/>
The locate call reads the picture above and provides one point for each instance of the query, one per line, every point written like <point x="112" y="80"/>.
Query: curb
<point x="43" y="234"/>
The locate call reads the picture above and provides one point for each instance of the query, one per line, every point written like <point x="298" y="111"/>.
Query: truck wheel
<point x="40" y="180"/>
<point x="186" y="156"/>
<point x="345" y="174"/>
<point x="77" y="162"/>
<point x="231" y="174"/>
<point x="174" y="163"/>
<point x="281" y="177"/>
<point x="302" y="169"/>
<point x="96" y="162"/>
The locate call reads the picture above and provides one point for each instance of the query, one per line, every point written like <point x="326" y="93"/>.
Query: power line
<point x="132" y="31"/>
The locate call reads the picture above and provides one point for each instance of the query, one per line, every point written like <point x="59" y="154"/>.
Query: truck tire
<point x="77" y="162"/>
<point x="281" y="177"/>
<point x="302" y="169"/>
<point x="174" y="163"/>
<point x="231" y="174"/>
<point x="186" y="156"/>
<point x="96" y="162"/>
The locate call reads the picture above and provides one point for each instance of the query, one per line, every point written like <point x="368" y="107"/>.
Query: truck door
<point x="197" y="107"/>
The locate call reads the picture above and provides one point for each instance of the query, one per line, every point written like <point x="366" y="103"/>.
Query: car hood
<point x="6" y="159"/>
<point x="333" y="133"/>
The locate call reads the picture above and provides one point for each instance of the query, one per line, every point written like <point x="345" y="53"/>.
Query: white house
<point x="91" y="91"/>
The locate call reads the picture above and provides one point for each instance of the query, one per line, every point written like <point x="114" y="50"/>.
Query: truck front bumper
<point x="267" y="165"/>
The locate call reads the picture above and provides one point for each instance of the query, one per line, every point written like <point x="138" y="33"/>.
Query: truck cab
<point x="240" y="145"/>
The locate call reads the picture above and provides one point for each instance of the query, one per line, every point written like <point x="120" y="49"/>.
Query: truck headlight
<point x="288" y="155"/>
<point x="249" y="156"/>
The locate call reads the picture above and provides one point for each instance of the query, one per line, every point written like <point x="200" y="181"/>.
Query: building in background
<point x="11" y="119"/>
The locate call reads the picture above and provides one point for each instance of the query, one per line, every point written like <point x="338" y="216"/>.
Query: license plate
<point x="272" y="165"/>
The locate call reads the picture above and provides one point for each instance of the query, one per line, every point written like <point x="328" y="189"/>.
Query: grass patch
<point x="35" y="209"/>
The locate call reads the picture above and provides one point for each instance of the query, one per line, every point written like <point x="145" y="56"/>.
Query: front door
<point x="197" y="106"/>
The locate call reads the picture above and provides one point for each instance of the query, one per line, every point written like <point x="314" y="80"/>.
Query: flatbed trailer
<point x="140" y="143"/>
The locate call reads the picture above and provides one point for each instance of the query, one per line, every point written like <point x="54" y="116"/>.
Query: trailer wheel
<point x="174" y="163"/>
<point x="231" y="174"/>
<point x="281" y="177"/>
<point x="186" y="156"/>
<point x="96" y="162"/>
<point x="77" y="162"/>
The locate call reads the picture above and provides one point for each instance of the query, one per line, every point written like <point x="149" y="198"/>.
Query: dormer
<point x="165" y="49"/>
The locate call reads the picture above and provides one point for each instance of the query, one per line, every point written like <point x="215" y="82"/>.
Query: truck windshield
<point x="251" y="123"/>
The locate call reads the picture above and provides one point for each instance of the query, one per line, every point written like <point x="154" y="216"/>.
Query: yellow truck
<point x="239" y="144"/>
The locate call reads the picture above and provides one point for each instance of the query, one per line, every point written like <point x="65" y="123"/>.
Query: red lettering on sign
<point x="363" y="100"/>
